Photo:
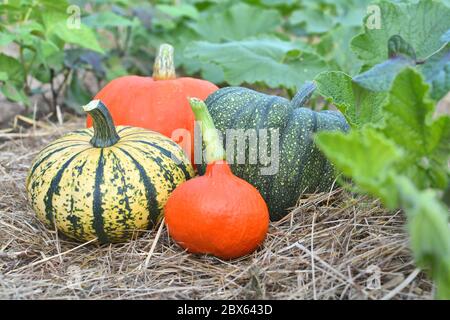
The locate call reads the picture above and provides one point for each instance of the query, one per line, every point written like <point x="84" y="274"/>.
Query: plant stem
<point x="54" y="94"/>
<point x="303" y="94"/>
<point x="105" y="134"/>
<point x="214" y="148"/>
<point x="164" y="68"/>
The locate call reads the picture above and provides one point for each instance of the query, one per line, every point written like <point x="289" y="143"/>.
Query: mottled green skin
<point x="302" y="167"/>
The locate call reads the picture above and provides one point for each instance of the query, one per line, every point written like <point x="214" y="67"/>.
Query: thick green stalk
<point x="164" y="67"/>
<point x="303" y="94"/>
<point x="213" y="144"/>
<point x="105" y="134"/>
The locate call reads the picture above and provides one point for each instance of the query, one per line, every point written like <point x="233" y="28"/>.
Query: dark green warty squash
<point x="302" y="167"/>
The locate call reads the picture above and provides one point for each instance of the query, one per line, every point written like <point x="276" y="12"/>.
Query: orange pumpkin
<point x="158" y="103"/>
<point x="217" y="213"/>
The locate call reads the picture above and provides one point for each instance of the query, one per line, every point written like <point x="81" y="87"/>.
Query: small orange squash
<point x="217" y="213"/>
<point x="158" y="103"/>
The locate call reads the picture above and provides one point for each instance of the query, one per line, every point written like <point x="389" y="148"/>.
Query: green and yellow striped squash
<point x="105" y="182"/>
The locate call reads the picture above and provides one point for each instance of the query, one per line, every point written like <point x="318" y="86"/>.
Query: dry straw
<point x="331" y="246"/>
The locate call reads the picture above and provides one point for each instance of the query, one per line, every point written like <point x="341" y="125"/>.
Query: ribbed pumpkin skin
<point x="158" y="105"/>
<point x="302" y="167"/>
<point x="107" y="193"/>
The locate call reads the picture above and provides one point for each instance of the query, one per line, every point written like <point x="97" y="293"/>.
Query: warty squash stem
<point x="164" y="67"/>
<point x="105" y="134"/>
<point x="213" y="144"/>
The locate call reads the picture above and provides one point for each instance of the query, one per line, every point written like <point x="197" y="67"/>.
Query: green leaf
<point x="359" y="105"/>
<point x="314" y="19"/>
<point x="57" y="24"/>
<point x="180" y="10"/>
<point x="420" y="24"/>
<point x="106" y="19"/>
<point x="76" y="95"/>
<point x="237" y="22"/>
<point x="6" y="38"/>
<point x="334" y="46"/>
<point x="437" y="72"/>
<point x="446" y="36"/>
<point x="429" y="232"/>
<point x="14" y="93"/>
<point x="364" y="155"/>
<point x="380" y="77"/>
<point x="13" y="68"/>
<point x="408" y="122"/>
<point x="270" y="61"/>
<point x="3" y="76"/>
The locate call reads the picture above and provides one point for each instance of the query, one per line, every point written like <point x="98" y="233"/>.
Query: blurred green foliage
<point x="63" y="43"/>
<point x="72" y="48"/>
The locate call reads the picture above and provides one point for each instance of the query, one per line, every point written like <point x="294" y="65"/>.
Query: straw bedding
<point x="330" y="246"/>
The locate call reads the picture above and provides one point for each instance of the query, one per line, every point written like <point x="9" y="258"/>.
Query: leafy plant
<point x="398" y="150"/>
<point x="410" y="34"/>
<point x="396" y="155"/>
<point x="41" y="31"/>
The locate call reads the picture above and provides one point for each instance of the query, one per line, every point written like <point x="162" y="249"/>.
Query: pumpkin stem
<point x="213" y="145"/>
<point x="303" y="94"/>
<point x="164" y="68"/>
<point x="105" y="134"/>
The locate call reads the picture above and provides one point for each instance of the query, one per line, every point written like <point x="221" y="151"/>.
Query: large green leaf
<point x="57" y="24"/>
<point x="6" y="38"/>
<point x="14" y="93"/>
<point x="364" y="155"/>
<point x="237" y="22"/>
<point x="379" y="78"/>
<point x="270" y="61"/>
<point x="180" y="10"/>
<point x="409" y="123"/>
<point x="13" y="68"/>
<point x="421" y="24"/>
<point x="429" y="231"/>
<point x="359" y="105"/>
<point x="313" y="19"/>
<point x="437" y="72"/>
<point x="334" y="46"/>
<point x="321" y="16"/>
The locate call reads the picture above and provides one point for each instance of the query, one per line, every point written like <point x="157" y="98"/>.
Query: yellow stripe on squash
<point x="108" y="192"/>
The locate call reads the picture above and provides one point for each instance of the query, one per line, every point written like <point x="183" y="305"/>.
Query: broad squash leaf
<point x="437" y="72"/>
<point x="429" y="231"/>
<point x="57" y="24"/>
<point x="13" y="68"/>
<point x="366" y="156"/>
<point x="408" y="122"/>
<point x="334" y="47"/>
<point x="421" y="24"/>
<point x="380" y="77"/>
<point x="359" y="105"/>
<point x="270" y="61"/>
<point x="236" y="23"/>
